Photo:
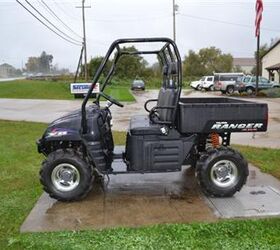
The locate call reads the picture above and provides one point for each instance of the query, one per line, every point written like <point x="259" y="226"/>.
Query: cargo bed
<point x="205" y="115"/>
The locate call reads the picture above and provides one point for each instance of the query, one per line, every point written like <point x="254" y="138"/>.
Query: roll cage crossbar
<point x="167" y="54"/>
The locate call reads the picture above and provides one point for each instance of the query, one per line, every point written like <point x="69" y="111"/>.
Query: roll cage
<point x="168" y="54"/>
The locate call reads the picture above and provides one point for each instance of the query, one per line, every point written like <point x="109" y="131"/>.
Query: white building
<point x="271" y="63"/>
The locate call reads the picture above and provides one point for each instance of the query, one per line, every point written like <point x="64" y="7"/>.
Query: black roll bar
<point x="116" y="45"/>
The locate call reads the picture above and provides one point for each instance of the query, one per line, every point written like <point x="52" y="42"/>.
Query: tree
<point x="45" y="62"/>
<point x="263" y="49"/>
<point x="95" y="63"/>
<point x="32" y="64"/>
<point x="207" y="61"/>
<point x="214" y="60"/>
<point x="130" y="66"/>
<point x="192" y="65"/>
<point x="39" y="64"/>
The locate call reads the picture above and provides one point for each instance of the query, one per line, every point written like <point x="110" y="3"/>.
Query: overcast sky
<point x="228" y="25"/>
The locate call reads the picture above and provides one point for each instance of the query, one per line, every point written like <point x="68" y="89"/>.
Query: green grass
<point x="32" y="89"/>
<point x="268" y="160"/>
<point x="20" y="188"/>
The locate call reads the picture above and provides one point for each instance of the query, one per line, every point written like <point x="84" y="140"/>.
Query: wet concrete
<point x="129" y="200"/>
<point x="134" y="200"/>
<point x="259" y="198"/>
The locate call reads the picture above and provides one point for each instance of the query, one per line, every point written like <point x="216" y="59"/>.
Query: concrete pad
<point x="256" y="201"/>
<point x="129" y="200"/>
<point x="135" y="200"/>
<point x="259" y="198"/>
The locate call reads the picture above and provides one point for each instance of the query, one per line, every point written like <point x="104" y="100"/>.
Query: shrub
<point x="272" y="93"/>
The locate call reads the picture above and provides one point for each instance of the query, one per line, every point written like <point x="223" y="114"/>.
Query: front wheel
<point x="250" y="91"/>
<point x="65" y="176"/>
<point x="221" y="172"/>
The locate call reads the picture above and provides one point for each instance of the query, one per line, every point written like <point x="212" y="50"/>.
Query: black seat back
<point x="166" y="98"/>
<point x="168" y="93"/>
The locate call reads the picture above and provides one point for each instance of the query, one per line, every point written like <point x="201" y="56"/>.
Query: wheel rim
<point x="65" y="177"/>
<point x="249" y="91"/>
<point x="230" y="90"/>
<point x="224" y="173"/>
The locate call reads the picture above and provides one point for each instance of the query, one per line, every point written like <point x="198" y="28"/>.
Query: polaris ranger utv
<point x="79" y="147"/>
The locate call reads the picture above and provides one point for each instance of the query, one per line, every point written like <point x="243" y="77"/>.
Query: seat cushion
<point x="141" y="125"/>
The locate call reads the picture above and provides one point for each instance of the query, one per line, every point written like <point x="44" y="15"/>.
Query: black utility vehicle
<point x="79" y="147"/>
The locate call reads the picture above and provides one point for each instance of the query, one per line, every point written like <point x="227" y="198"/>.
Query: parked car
<point x="229" y="87"/>
<point x="208" y="83"/>
<point x="197" y="84"/>
<point x="226" y="82"/>
<point x="248" y="84"/>
<point x="138" y="85"/>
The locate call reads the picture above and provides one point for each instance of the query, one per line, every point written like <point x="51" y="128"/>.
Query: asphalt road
<point x="48" y="110"/>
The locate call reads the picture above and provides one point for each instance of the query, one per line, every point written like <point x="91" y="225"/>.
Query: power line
<point x="128" y="19"/>
<point x="67" y="14"/>
<point x="225" y="22"/>
<point x="58" y="18"/>
<point x="47" y="25"/>
<point x="69" y="37"/>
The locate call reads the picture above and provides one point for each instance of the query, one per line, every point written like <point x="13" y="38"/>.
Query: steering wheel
<point x="111" y="99"/>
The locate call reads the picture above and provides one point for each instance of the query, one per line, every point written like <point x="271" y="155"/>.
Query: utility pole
<point x="175" y="9"/>
<point x="84" y="37"/>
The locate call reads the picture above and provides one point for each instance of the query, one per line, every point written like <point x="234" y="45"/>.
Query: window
<point x="228" y="78"/>
<point x="246" y="79"/>
<point x="210" y="79"/>
<point x="264" y="80"/>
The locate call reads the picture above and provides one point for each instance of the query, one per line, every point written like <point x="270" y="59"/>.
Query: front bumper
<point x="39" y="146"/>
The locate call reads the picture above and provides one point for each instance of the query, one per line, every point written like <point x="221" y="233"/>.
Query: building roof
<point x="274" y="67"/>
<point x="6" y="65"/>
<point x="271" y="48"/>
<point x="244" y="61"/>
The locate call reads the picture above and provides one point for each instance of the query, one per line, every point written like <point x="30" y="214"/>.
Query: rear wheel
<point x="211" y="88"/>
<point x="65" y="176"/>
<point x="230" y="90"/>
<point x="221" y="172"/>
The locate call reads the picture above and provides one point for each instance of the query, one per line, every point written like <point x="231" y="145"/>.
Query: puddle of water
<point x="129" y="200"/>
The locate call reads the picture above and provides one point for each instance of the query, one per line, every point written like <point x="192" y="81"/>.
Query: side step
<point x="118" y="165"/>
<point x="119" y="152"/>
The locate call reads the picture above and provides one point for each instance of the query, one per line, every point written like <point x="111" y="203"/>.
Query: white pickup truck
<point x="206" y="82"/>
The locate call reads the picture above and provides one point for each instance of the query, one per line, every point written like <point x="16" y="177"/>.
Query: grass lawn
<point x="20" y="188"/>
<point x="33" y="89"/>
<point x="268" y="160"/>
